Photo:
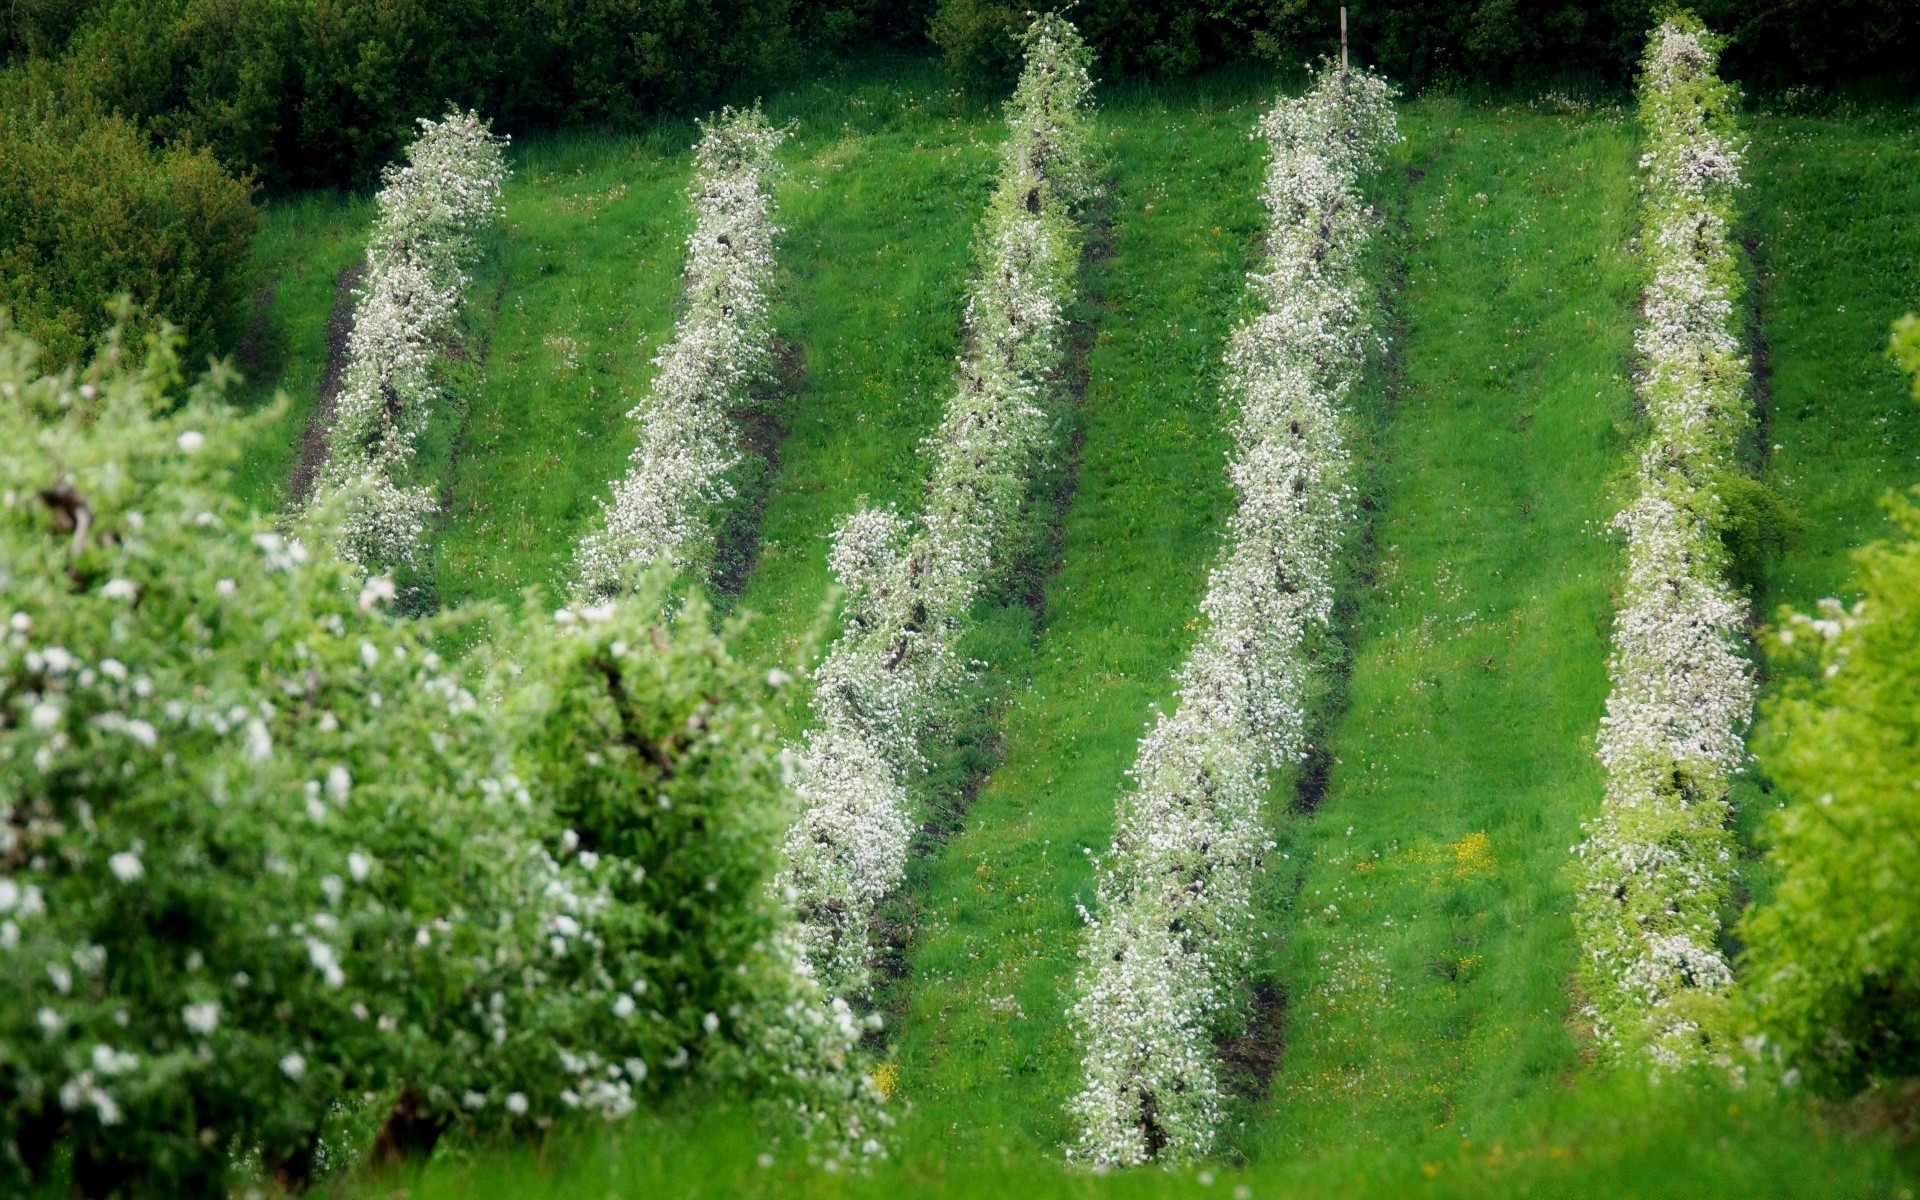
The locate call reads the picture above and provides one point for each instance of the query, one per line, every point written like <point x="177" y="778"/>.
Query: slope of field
<point x="984" y="1053"/>
<point x="1430" y="945"/>
<point x="1835" y="221"/>
<point x="299" y="258"/>
<point x="579" y="287"/>
<point x="1430" y="1043"/>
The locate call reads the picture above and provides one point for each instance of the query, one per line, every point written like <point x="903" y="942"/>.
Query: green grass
<point x="1429" y="946"/>
<point x="888" y="176"/>
<point x="1624" y="1140"/>
<point x="1432" y="1043"/>
<point x="577" y="292"/>
<point x="1835" y="219"/>
<point x="307" y="242"/>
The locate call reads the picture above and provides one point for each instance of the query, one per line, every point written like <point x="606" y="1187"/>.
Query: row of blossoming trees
<point x="663" y="509"/>
<point x="1170" y="941"/>
<point x="409" y="305"/>
<point x="276" y="866"/>
<point x="911" y="583"/>
<point x="277" y="869"/>
<point x="1657" y="863"/>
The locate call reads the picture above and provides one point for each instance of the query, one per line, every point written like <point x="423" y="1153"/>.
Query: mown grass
<point x="888" y="175"/>
<point x="1621" y="1140"/>
<point x="1432" y="1044"/>
<point x="1835" y="222"/>
<point x="1429" y="947"/>
<point x="305" y="245"/>
<point x="577" y="290"/>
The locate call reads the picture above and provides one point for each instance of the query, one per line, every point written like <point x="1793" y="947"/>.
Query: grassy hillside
<point x="1423" y="951"/>
<point x="1835" y="226"/>
<point x="984" y="1052"/>
<point x="1429" y="938"/>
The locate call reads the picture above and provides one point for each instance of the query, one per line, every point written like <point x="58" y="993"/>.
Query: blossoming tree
<point x="663" y="509"/>
<point x="1657" y="860"/>
<point x="909" y="584"/>
<point x="417" y="258"/>
<point x="266" y="857"/>
<point x="1169" y="941"/>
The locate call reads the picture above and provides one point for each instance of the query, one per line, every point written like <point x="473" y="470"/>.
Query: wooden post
<point x="1343" y="39"/>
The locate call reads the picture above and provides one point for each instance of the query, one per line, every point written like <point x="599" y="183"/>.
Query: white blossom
<point x="293" y="1065"/>
<point x="126" y="866"/>
<point x="722" y="346"/>
<point x="325" y="961"/>
<point x="909" y="585"/>
<point x="1657" y="861"/>
<point x="417" y="255"/>
<point x="1171" y="940"/>
<point x="202" y="1018"/>
<point x="259" y="746"/>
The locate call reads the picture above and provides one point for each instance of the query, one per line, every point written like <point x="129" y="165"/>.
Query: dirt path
<point x="313" y="443"/>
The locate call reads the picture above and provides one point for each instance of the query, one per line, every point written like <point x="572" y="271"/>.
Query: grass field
<point x="1420" y="914"/>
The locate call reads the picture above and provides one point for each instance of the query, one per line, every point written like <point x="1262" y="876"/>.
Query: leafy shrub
<point x="1833" y="958"/>
<point x="323" y="91"/>
<point x="1904" y="348"/>
<point x="264" y="855"/>
<point x="89" y="210"/>
<point x="39" y="26"/>
<point x="1756" y="525"/>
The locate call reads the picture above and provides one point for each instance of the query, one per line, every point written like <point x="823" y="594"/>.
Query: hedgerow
<point x="662" y="511"/>
<point x="1656" y="865"/>
<point x="270" y="854"/>
<point x="1169" y="941"/>
<point x="417" y="258"/>
<point x="909" y="585"/>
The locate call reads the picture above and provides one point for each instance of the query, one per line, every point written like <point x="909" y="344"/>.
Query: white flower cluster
<point x="341" y="870"/>
<point x="417" y="254"/>
<point x="909" y="585"/>
<point x="1656" y="862"/>
<point x="662" y="509"/>
<point x="1167" y="955"/>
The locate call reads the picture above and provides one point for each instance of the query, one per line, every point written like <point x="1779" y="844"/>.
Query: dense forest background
<point x="320" y="91"/>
